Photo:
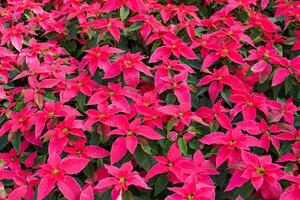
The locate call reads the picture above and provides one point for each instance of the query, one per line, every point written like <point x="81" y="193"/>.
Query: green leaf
<point x="160" y="184"/>
<point x="170" y="98"/>
<point x="183" y="146"/>
<point x="155" y="44"/>
<point x="16" y="140"/>
<point x="134" y="27"/>
<point x="279" y="48"/>
<point x="3" y="141"/>
<point x="245" y="191"/>
<point x="94" y="139"/>
<point x="171" y="124"/>
<point x="127" y="195"/>
<point x="81" y="99"/>
<point x="19" y="106"/>
<point x="225" y="96"/>
<point x="194" y="144"/>
<point x="285" y="148"/>
<point x="142" y="158"/>
<point x="124" y="12"/>
<point x="145" y="146"/>
<point x="49" y="96"/>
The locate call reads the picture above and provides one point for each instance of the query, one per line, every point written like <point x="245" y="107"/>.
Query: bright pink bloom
<point x="121" y="179"/>
<point x="175" y="46"/>
<point x="262" y="128"/>
<point x="247" y="103"/>
<point x="129" y="139"/>
<point x="59" y="137"/>
<point x="56" y="172"/>
<point x="14" y="35"/>
<point x="293" y="191"/>
<point x="285" y="110"/>
<point x="231" y="145"/>
<point x="181" y="112"/>
<point x="98" y="57"/>
<point x="259" y="170"/>
<point x="112" y="25"/>
<point x="105" y="114"/>
<point x="293" y="157"/>
<point x="216" y="112"/>
<point x="170" y="163"/>
<point x="178" y="84"/>
<point x="222" y="50"/>
<point x="115" y="93"/>
<point x="130" y="65"/>
<point x="219" y="78"/>
<point x="192" y="190"/>
<point x="18" y="121"/>
<point x="86" y="151"/>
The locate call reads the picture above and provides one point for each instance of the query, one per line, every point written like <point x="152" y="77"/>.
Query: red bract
<point x="231" y="145"/>
<point x="218" y="79"/>
<point x="263" y="174"/>
<point x="99" y="57"/>
<point x="56" y="172"/>
<point x="115" y="93"/>
<point x="170" y="163"/>
<point x="175" y="46"/>
<point x="191" y="190"/>
<point x="247" y="103"/>
<point x="217" y="112"/>
<point x="199" y="97"/>
<point x="266" y="132"/>
<point x="122" y="178"/>
<point x="130" y="65"/>
<point x="60" y="136"/>
<point x="18" y="121"/>
<point x="222" y="50"/>
<point x="81" y="150"/>
<point x="14" y="35"/>
<point x="130" y="141"/>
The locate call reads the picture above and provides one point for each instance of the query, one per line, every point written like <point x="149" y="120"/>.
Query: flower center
<point x="128" y="63"/>
<point x="267" y="132"/>
<point x="129" y="133"/>
<point x="174" y="84"/>
<point x="249" y="103"/>
<point x="154" y="117"/>
<point x="51" y="114"/>
<point x="101" y="116"/>
<point x="260" y="170"/>
<point x="232" y="142"/>
<point x="298" y="159"/>
<point x="180" y="114"/>
<point x="122" y="180"/>
<point x="225" y="51"/>
<point x="66" y="130"/>
<point x="190" y="197"/>
<point x="266" y="57"/>
<point x="55" y="171"/>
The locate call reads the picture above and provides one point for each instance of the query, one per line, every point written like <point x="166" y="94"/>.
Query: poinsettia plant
<point x="149" y="99"/>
